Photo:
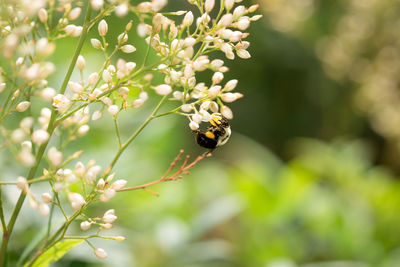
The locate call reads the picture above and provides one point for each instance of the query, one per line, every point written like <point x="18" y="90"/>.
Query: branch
<point x="183" y="170"/>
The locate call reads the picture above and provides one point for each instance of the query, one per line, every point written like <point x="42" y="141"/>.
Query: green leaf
<point x="55" y="253"/>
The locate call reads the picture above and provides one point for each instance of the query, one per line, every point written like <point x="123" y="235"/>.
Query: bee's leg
<point x="208" y="153"/>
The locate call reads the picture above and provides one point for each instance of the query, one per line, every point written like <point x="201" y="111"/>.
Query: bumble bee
<point x="216" y="135"/>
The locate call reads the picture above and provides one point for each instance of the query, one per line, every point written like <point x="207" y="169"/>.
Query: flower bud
<point x="128" y="49"/>
<point x="229" y="4"/>
<point x="188" y="19"/>
<point x="80" y="62"/>
<point x="209" y="5"/>
<point x="243" y="53"/>
<point x="44" y="209"/>
<point x="39" y="137"/>
<point x="74" y="13"/>
<point x="100" y="253"/>
<point x="217" y="77"/>
<point x="228" y="97"/>
<point x="119" y="238"/>
<point x="83" y="130"/>
<point x="47" y="198"/>
<point x="186" y="107"/>
<point x="229" y="86"/>
<point x="85" y="225"/>
<point x="95" y="43"/>
<point x="76" y="88"/>
<point x="118" y="184"/>
<point x="43" y="15"/>
<point x="22" y="183"/>
<point x="77" y="200"/>
<point x="163" y="89"/>
<point x="97" y="4"/>
<point x="96" y="115"/>
<point x="54" y="156"/>
<point x="194" y="125"/>
<point x="227" y="112"/>
<point x="121" y="10"/>
<point x="22" y="106"/>
<point x="48" y="93"/>
<point x="103" y="28"/>
<point x="113" y="110"/>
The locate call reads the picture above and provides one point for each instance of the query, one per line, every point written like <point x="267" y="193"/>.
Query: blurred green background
<point x="310" y="176"/>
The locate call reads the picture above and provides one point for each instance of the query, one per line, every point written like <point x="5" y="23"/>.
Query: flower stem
<point x="7" y="232"/>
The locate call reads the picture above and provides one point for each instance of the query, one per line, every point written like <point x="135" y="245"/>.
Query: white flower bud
<point x="26" y="145"/>
<point x="103" y="28"/>
<point x="119" y="238"/>
<point x="54" y="156"/>
<point x="61" y="102"/>
<point x="226" y="20"/>
<point x="85" y="225"/>
<point x="228" y="97"/>
<point x="217" y="77"/>
<point x="236" y="36"/>
<point x="22" y="183"/>
<point x="96" y="115"/>
<point x="80" y="62"/>
<point x="74" y="13"/>
<point x="106" y="76"/>
<point x="109" y="218"/>
<point x="26" y="124"/>
<point x="39" y="137"/>
<point x="113" y="110"/>
<point x="77" y="200"/>
<point x="118" y="184"/>
<point x="227" y="112"/>
<point x="209" y="5"/>
<point x="43" y="209"/>
<point x="2" y="87"/>
<point x="76" y="88"/>
<point x="197" y="118"/>
<point x="186" y="107"/>
<point x="188" y="19"/>
<point x="194" y="125"/>
<point x="97" y="4"/>
<point x="214" y="90"/>
<point x="123" y="38"/>
<point x="43" y="17"/>
<point x="22" y="106"/>
<point x="243" y="23"/>
<point x="229" y="86"/>
<point x="47" y="198"/>
<point x="121" y="10"/>
<point x="163" y="89"/>
<point x="239" y="10"/>
<point x="243" y="53"/>
<point x="93" y="78"/>
<point x="95" y="43"/>
<point x="229" y="4"/>
<point x="130" y="66"/>
<point x="83" y="130"/>
<point x="205" y="115"/>
<point x="214" y="106"/>
<point x="144" y="96"/>
<point x="100" y="253"/>
<point x="128" y="49"/>
<point x="48" y="93"/>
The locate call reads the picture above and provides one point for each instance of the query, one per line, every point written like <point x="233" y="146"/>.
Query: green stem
<point x="3" y="222"/>
<point x="7" y="232"/>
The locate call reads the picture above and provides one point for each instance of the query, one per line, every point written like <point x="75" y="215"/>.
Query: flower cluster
<point x="179" y="42"/>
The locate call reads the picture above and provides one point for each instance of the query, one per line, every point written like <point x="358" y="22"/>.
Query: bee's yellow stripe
<point x="210" y="135"/>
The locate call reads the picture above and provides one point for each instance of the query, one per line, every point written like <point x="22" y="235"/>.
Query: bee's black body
<point x="215" y="135"/>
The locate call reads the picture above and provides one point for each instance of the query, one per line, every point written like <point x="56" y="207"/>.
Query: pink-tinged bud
<point x="229" y="86"/>
<point x="75" y="13"/>
<point x="243" y="53"/>
<point x="95" y="43"/>
<point x="44" y="209"/>
<point x="121" y="10"/>
<point x="77" y="200"/>
<point x="107" y="226"/>
<point x="83" y="130"/>
<point x="228" y="97"/>
<point x="118" y="184"/>
<point x="54" y="156"/>
<point x="253" y="8"/>
<point x="128" y="49"/>
<point x="227" y="112"/>
<point x="100" y="253"/>
<point x="197" y="118"/>
<point x="76" y="88"/>
<point x="188" y="19"/>
<point x="217" y="77"/>
<point x="48" y="93"/>
<point x="243" y="23"/>
<point x="209" y="5"/>
<point x="186" y="107"/>
<point x="144" y="7"/>
<point x="239" y="10"/>
<point x="226" y="20"/>
<point x="113" y="110"/>
<point x="97" y="4"/>
<point x="106" y="76"/>
<point x="22" y="106"/>
<point x="96" y="115"/>
<point x="80" y="62"/>
<point x="43" y="15"/>
<point x="85" y="225"/>
<point x="194" y="125"/>
<point x="109" y="218"/>
<point x="163" y="89"/>
<point x="214" y="90"/>
<point x="103" y="28"/>
<point x="47" y="198"/>
<point x="39" y="137"/>
<point x="26" y="124"/>
<point x="93" y="78"/>
<point x="22" y="183"/>
<point x="229" y="4"/>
